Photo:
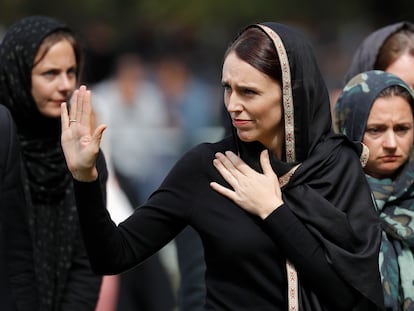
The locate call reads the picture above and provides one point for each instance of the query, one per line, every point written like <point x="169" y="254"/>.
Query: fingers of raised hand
<point x="81" y="106"/>
<point x="64" y="118"/>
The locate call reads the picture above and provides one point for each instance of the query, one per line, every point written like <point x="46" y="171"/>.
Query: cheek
<point x="37" y="91"/>
<point x="407" y="144"/>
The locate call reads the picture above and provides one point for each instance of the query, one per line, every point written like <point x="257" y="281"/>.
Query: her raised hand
<point x="256" y="193"/>
<point x="80" y="141"/>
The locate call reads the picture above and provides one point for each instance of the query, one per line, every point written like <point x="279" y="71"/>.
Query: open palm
<point x="80" y="142"/>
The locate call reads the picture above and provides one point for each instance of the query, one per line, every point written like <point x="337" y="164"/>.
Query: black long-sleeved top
<point x="245" y="255"/>
<point x="17" y="278"/>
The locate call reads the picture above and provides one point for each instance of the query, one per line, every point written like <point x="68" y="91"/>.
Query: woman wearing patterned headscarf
<point x="281" y="205"/>
<point x="376" y="108"/>
<point x="39" y="64"/>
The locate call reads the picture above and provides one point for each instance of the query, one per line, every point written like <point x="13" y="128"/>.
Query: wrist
<point x="85" y="175"/>
<point x="267" y="211"/>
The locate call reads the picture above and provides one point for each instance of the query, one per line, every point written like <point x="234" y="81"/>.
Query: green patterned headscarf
<point x="394" y="197"/>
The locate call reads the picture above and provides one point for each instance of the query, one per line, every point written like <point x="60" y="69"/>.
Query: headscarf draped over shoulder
<point x="325" y="186"/>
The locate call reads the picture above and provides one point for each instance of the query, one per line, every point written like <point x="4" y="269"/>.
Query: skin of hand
<point x="257" y="193"/>
<point x="80" y="147"/>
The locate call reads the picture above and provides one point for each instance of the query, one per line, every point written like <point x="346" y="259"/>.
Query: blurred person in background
<point x="18" y="291"/>
<point x="390" y="48"/>
<point x="192" y="113"/>
<point x="40" y="61"/>
<point x="132" y="106"/>
<point x="376" y="108"/>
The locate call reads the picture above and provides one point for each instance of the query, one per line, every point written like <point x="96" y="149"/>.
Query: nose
<point x="390" y="141"/>
<point x="66" y="82"/>
<point x="233" y="103"/>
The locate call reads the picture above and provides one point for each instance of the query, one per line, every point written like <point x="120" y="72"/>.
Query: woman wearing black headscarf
<point x="390" y="48"/>
<point x="302" y="235"/>
<point x="39" y="64"/>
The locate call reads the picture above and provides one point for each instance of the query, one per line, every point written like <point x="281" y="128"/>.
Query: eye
<point x="50" y="73"/>
<point x="72" y="72"/>
<point x="374" y="131"/>
<point x="247" y="91"/>
<point x="226" y="87"/>
<point x="402" y="129"/>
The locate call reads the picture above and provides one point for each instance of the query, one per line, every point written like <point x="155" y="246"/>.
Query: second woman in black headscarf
<point x="32" y="85"/>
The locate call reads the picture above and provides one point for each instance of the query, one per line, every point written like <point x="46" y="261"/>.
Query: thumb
<point x="97" y="134"/>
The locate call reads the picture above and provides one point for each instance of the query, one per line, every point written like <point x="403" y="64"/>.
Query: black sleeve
<point x="309" y="259"/>
<point x="114" y="249"/>
<point x="16" y="245"/>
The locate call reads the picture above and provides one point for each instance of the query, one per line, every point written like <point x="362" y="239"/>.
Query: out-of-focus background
<point x="205" y="27"/>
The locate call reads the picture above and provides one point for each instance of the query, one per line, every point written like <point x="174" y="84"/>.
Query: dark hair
<point x="397" y="90"/>
<point x="56" y="37"/>
<point x="255" y="47"/>
<point x="397" y="44"/>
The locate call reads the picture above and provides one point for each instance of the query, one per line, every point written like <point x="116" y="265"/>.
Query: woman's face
<point x="388" y="135"/>
<point x="54" y="77"/>
<point x="254" y="101"/>
<point x="403" y="67"/>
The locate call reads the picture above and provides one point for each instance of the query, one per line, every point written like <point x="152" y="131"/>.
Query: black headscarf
<point x="53" y="216"/>
<point x="328" y="192"/>
<point x="366" y="55"/>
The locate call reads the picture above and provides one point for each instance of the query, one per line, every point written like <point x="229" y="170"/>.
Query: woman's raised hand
<point x="80" y="141"/>
<point x="256" y="193"/>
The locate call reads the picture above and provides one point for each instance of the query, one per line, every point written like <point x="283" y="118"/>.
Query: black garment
<point x="17" y="281"/>
<point x="63" y="275"/>
<point x="327" y="227"/>
<point x="190" y="253"/>
<point x="245" y="263"/>
<point x="146" y="287"/>
<point x="365" y="56"/>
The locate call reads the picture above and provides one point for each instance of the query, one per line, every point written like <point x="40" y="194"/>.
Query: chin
<point x="245" y="138"/>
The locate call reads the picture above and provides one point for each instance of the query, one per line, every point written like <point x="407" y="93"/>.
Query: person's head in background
<point x="40" y="62"/>
<point x="363" y="113"/>
<point x="390" y="48"/>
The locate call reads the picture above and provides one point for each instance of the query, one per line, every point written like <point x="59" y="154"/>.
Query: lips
<point x="390" y="158"/>
<point x="240" y="122"/>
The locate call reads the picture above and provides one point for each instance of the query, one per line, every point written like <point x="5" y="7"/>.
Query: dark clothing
<point x="190" y="253"/>
<point x="64" y="278"/>
<point x="394" y="196"/>
<point x="17" y="281"/>
<point x="365" y="56"/>
<point x="327" y="227"/>
<point x="245" y="256"/>
<point x="147" y="287"/>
